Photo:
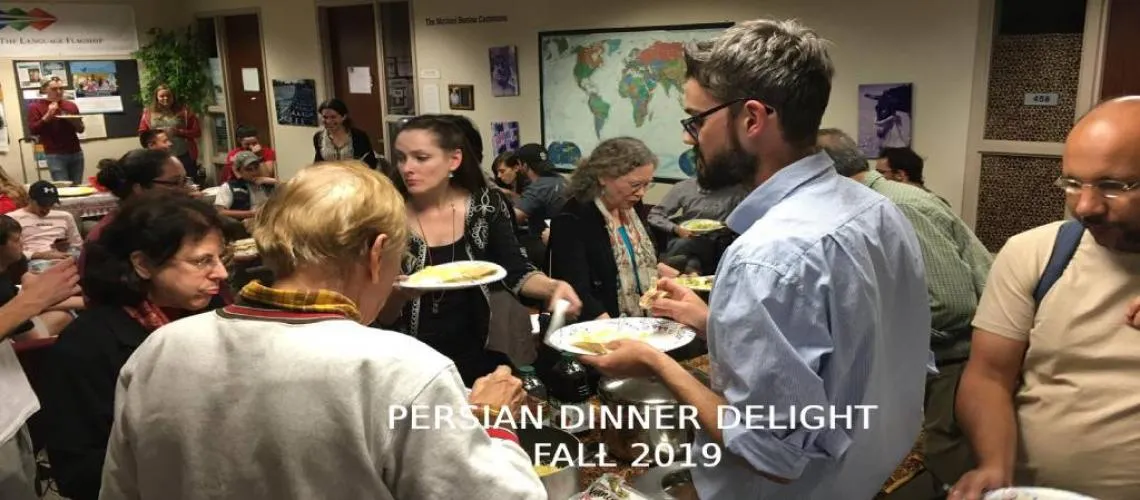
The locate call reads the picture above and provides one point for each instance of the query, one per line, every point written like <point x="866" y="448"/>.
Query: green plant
<point x="176" y="59"/>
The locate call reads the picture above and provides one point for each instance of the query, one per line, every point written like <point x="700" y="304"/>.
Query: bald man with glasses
<point x="1049" y="396"/>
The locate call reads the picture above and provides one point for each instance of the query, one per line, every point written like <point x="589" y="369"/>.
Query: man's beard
<point x="727" y="168"/>
<point x="1125" y="239"/>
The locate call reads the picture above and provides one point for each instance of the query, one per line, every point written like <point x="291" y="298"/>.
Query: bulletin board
<point x="123" y="123"/>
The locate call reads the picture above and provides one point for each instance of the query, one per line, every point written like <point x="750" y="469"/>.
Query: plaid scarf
<point x="150" y="316"/>
<point x="319" y="301"/>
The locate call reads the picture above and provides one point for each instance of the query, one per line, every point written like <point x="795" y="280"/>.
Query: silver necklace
<point x="437" y="297"/>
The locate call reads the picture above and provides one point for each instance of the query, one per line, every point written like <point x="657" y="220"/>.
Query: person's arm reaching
<point x="38" y="292"/>
<point x="984" y="406"/>
<point x="660" y="213"/>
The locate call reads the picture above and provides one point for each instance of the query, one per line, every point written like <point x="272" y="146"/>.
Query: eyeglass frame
<point x="692" y="125"/>
<point x="186" y="181"/>
<point x="1065" y="183"/>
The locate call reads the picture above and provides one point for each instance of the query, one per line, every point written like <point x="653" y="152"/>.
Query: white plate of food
<point x="244" y="248"/>
<point x="702" y="225"/>
<point x="590" y="337"/>
<point x="455" y="276"/>
<point x="696" y="283"/>
<point x="1032" y="493"/>
<point x="71" y="192"/>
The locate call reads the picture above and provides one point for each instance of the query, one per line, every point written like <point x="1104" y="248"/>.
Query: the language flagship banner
<point x="66" y="30"/>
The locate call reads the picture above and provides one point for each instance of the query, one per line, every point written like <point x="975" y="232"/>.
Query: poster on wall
<point x="504" y="137"/>
<point x="72" y="29"/>
<point x="3" y="125"/>
<point x="884" y="117"/>
<point x="296" y="102"/>
<point x="29" y="75"/>
<point x="597" y="84"/>
<point x="96" y="87"/>
<point x="504" y="71"/>
<point x="54" y="70"/>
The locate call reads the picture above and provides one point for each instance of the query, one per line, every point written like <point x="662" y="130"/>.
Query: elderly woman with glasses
<point x="158" y="260"/>
<point x="598" y="243"/>
<point x="289" y="395"/>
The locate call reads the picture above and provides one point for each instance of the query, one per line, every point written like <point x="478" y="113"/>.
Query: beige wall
<point x="930" y="43"/>
<point x="148" y="14"/>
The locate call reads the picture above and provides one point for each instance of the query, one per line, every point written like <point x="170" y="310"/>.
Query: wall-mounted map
<point x="598" y="84"/>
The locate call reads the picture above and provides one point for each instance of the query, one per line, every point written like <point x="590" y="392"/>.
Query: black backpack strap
<point x="1068" y="239"/>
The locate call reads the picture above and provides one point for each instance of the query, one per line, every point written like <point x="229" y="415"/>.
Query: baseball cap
<point x="533" y="155"/>
<point x="244" y="159"/>
<point x="44" y="193"/>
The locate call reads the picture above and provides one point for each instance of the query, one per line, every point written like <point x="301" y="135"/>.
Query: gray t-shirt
<point x="542" y="199"/>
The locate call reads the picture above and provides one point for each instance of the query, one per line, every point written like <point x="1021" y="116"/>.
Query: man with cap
<point x="47" y="234"/>
<point x="544" y="196"/>
<point x="241" y="197"/>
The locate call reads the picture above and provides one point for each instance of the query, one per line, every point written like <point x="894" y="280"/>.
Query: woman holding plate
<point x="453" y="215"/>
<point x="598" y="242"/>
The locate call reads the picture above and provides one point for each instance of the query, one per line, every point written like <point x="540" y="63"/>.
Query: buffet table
<point x="910" y="467"/>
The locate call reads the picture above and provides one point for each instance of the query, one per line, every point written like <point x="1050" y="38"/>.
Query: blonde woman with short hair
<point x="288" y="395"/>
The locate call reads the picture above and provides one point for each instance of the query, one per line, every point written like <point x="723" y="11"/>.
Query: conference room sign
<point x="67" y="30"/>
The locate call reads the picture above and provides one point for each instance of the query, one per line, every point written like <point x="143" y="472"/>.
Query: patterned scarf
<point x="318" y="301"/>
<point x="150" y="316"/>
<point x="634" y="278"/>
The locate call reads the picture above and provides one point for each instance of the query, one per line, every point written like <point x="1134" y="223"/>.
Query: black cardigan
<point x="360" y="142"/>
<point x="580" y="254"/>
<point x="79" y="395"/>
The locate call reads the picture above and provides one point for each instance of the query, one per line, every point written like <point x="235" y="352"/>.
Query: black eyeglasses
<point x="693" y="124"/>
<point x="184" y="181"/>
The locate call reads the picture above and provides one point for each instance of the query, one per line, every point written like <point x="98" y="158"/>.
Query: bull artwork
<point x="884" y="117"/>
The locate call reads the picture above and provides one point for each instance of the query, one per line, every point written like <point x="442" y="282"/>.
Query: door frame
<point x="1088" y="88"/>
<point x="223" y="56"/>
<point x="378" y="38"/>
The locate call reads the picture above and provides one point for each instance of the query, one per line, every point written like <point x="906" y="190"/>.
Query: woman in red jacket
<point x="180" y="124"/>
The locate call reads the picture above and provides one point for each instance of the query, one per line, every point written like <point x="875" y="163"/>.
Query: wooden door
<point x="1121" y="73"/>
<point x="352" y="39"/>
<point x="245" y="69"/>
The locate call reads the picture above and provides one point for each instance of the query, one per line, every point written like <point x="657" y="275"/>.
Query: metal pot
<point x="648" y="397"/>
<point x="565" y="482"/>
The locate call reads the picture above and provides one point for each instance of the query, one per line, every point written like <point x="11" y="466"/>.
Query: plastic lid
<point x="526" y="369"/>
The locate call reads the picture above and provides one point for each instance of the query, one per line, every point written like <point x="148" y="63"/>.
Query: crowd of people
<point x="836" y="284"/>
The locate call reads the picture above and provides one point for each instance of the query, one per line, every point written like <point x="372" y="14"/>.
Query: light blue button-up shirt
<point x="821" y="301"/>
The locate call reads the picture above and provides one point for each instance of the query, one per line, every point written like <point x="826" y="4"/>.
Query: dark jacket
<point x="580" y="253"/>
<point x="362" y="148"/>
<point x="79" y="395"/>
<point x="490" y="236"/>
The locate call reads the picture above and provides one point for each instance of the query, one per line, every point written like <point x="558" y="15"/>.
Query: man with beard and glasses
<point x="1049" y="395"/>
<point x="711" y="195"/>
<point x="820" y="303"/>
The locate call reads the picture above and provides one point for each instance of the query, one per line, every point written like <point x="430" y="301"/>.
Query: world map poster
<point x="598" y="84"/>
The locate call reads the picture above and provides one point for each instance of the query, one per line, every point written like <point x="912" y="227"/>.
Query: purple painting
<point x="884" y="117"/>
<point x="504" y="136"/>
<point x="504" y="71"/>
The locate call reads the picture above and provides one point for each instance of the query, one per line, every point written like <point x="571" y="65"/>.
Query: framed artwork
<point x="602" y="83"/>
<point x="461" y="97"/>
<point x="504" y="136"/>
<point x="504" y="71"/>
<point x="885" y="111"/>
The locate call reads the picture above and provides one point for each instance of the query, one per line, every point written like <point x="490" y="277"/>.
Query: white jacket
<point x="237" y="404"/>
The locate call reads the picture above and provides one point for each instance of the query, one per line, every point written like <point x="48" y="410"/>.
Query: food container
<point x="545" y="443"/>
<point x="645" y="397"/>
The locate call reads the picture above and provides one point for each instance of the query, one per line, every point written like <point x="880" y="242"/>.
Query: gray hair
<point x="610" y="159"/>
<point x="783" y="64"/>
<point x="844" y="151"/>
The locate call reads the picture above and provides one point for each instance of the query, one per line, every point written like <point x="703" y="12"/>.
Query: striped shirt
<point x="821" y="301"/>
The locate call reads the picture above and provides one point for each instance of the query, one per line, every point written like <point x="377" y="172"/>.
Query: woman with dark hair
<point x="138" y="171"/>
<point x="160" y="259"/>
<point x="340" y="140"/>
<point x="454" y="215"/>
<point x="180" y="124"/>
<point x="598" y="241"/>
